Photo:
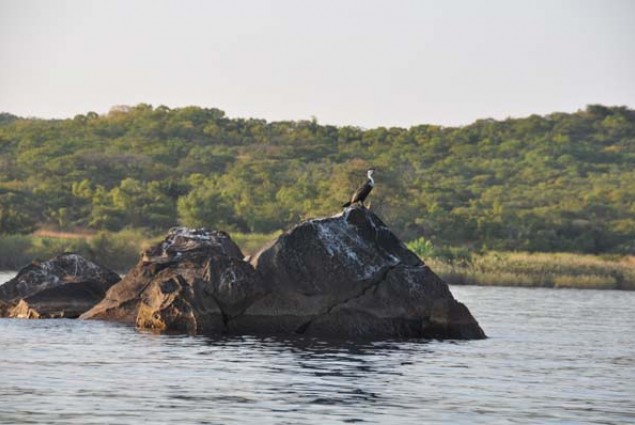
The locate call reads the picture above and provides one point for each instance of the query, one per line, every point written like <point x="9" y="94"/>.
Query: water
<point x="553" y="357"/>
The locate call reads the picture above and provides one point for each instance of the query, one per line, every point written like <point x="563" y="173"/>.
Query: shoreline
<point x="119" y="251"/>
<point x="556" y="288"/>
<point x="539" y="270"/>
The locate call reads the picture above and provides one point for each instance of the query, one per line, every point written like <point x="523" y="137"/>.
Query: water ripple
<point x="553" y="357"/>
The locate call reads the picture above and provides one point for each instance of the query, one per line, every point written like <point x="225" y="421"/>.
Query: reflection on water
<point x="552" y="357"/>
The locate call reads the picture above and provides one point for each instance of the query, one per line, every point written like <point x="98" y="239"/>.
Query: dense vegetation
<point x="561" y="182"/>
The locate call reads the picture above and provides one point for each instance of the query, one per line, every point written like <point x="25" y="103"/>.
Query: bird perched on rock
<point x="362" y="192"/>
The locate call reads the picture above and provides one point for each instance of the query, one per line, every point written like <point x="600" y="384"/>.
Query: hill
<point x="560" y="182"/>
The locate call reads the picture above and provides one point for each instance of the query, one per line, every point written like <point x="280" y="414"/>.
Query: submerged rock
<point x="346" y="276"/>
<point x="193" y="281"/>
<point x="64" y="286"/>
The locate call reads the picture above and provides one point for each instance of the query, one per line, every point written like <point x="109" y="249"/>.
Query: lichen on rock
<point x="350" y="276"/>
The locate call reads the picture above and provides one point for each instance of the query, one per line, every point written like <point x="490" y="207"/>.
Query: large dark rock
<point x="346" y="276"/>
<point x="350" y="276"/>
<point x="194" y="281"/>
<point x="64" y="286"/>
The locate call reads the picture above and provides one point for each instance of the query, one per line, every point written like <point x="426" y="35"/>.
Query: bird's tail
<point x="348" y="204"/>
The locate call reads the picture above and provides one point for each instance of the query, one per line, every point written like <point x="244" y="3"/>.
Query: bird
<point x="362" y="192"/>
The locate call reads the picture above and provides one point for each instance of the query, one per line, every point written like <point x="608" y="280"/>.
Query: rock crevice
<point x="373" y="285"/>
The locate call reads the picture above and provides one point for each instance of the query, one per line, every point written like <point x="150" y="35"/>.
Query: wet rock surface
<point x="64" y="286"/>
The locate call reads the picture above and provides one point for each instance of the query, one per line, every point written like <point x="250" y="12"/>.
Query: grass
<point x="557" y="270"/>
<point x="117" y="251"/>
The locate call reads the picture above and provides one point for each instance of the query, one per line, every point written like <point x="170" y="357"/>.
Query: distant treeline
<point x="561" y="182"/>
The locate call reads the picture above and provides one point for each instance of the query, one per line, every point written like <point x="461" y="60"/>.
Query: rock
<point x="183" y="240"/>
<point x="193" y="281"/>
<point x="68" y="300"/>
<point x="347" y="276"/>
<point x="350" y="276"/>
<point x="5" y="308"/>
<point x="64" y="286"/>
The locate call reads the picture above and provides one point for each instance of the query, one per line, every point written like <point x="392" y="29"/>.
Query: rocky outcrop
<point x="347" y="276"/>
<point x="193" y="281"/>
<point x="350" y="276"/>
<point x="64" y="286"/>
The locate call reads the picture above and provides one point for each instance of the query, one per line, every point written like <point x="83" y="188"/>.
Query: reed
<point x="556" y="270"/>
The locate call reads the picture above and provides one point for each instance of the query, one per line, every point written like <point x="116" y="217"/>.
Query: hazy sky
<point x="365" y="63"/>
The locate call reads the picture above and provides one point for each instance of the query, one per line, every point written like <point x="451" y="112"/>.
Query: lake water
<point x="553" y="357"/>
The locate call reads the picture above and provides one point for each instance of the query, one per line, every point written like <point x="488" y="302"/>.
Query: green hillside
<point x="561" y="182"/>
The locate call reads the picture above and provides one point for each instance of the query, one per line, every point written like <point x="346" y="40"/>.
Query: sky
<point x="365" y="63"/>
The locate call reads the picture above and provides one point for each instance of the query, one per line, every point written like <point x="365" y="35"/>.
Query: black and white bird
<point x="362" y="192"/>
